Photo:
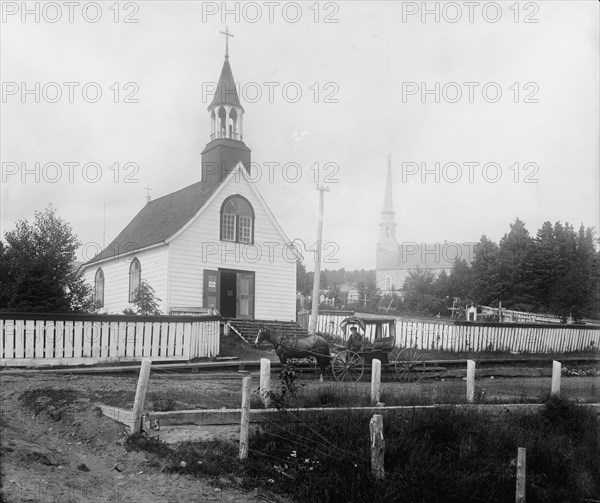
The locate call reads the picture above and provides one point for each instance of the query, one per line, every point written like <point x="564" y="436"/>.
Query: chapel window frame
<point x="237" y="226"/>
<point x="135" y="276"/>
<point x="99" y="288"/>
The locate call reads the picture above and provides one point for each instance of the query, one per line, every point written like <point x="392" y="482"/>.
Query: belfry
<point x="226" y="146"/>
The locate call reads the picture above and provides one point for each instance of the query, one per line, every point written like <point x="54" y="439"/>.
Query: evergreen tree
<point x="515" y="269"/>
<point x="37" y="267"/>
<point x="485" y="273"/>
<point x="593" y="266"/>
<point x="460" y="280"/>
<point x="545" y="262"/>
<point x="564" y="295"/>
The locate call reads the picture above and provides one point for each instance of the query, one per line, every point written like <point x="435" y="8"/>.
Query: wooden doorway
<point x="230" y="291"/>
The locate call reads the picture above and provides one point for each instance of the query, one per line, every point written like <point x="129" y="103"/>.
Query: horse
<point x="286" y="348"/>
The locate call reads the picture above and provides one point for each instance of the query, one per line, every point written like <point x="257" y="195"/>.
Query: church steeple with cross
<point x="226" y="146"/>
<point x="226" y="111"/>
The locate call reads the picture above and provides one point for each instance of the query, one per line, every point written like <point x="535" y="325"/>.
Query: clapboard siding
<point x="198" y="248"/>
<point x="47" y="339"/>
<point x="116" y="278"/>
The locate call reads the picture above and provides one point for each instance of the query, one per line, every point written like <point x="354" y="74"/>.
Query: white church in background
<point x="213" y="244"/>
<point x="394" y="260"/>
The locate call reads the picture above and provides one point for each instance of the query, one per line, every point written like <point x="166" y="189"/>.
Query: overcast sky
<point x="503" y="96"/>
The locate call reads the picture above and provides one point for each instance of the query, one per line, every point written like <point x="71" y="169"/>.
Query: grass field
<point x="433" y="456"/>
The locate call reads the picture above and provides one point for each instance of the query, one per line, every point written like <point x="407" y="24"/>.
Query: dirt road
<point x="56" y="446"/>
<point x="72" y="454"/>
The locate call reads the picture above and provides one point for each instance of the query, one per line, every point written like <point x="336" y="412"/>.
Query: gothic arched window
<point x="135" y="278"/>
<point x="99" y="288"/>
<point x="237" y="220"/>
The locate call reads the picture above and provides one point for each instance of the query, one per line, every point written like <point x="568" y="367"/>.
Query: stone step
<point x="249" y="328"/>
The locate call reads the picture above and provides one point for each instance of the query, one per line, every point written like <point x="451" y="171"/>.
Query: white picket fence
<point x="328" y="322"/>
<point x="509" y="316"/>
<point x="465" y="336"/>
<point x="445" y="335"/>
<point x="50" y="339"/>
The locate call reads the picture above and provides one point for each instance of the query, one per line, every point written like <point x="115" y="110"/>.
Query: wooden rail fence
<point x="28" y="339"/>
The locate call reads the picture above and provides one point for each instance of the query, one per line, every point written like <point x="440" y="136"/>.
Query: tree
<point x="484" y="272"/>
<point x="37" y="271"/>
<point x="545" y="262"/>
<point x="515" y="267"/>
<point x="303" y="279"/>
<point x="459" y="280"/>
<point x="4" y="292"/>
<point x="420" y="293"/>
<point x="556" y="272"/>
<point x="146" y="302"/>
<point x="575" y="286"/>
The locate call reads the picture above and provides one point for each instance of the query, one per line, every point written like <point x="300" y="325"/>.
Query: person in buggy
<point x="356" y="341"/>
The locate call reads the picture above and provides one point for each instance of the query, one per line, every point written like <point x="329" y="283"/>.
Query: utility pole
<point x="317" y="277"/>
<point x="104" y="225"/>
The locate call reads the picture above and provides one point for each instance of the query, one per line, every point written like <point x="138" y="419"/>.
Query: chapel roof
<point x="158" y="220"/>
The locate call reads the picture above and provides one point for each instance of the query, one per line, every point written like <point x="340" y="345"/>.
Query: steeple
<point x="226" y="111"/>
<point x="387" y="202"/>
<point x="226" y="146"/>
<point x="387" y="226"/>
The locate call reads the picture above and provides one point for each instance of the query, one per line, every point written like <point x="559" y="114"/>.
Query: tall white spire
<point x="388" y="206"/>
<point x="387" y="225"/>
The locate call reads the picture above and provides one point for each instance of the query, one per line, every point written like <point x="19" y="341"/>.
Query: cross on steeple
<point x="227" y="35"/>
<point x="148" y="189"/>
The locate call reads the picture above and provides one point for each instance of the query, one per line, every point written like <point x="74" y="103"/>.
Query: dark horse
<point x="289" y="347"/>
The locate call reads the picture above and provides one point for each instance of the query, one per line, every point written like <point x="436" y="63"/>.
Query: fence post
<point x="140" y="396"/>
<point x="375" y="381"/>
<point x="377" y="446"/>
<point x="556" y="369"/>
<point x="470" y="381"/>
<point x="520" y="494"/>
<point x="265" y="381"/>
<point x="245" y="420"/>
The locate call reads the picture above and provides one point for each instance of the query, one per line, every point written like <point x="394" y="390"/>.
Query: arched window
<point x="135" y="278"/>
<point x="388" y="283"/>
<point x="99" y="288"/>
<point x="237" y="220"/>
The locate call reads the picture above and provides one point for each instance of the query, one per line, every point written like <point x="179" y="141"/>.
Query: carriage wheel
<point x="347" y="366"/>
<point x="409" y="365"/>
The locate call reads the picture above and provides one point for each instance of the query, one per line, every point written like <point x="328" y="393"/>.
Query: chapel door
<point x="228" y="293"/>
<point x="245" y="295"/>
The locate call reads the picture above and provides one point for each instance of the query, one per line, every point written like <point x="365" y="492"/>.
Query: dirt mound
<point x="57" y="446"/>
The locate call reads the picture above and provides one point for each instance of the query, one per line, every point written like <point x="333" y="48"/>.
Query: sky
<point x="488" y="112"/>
